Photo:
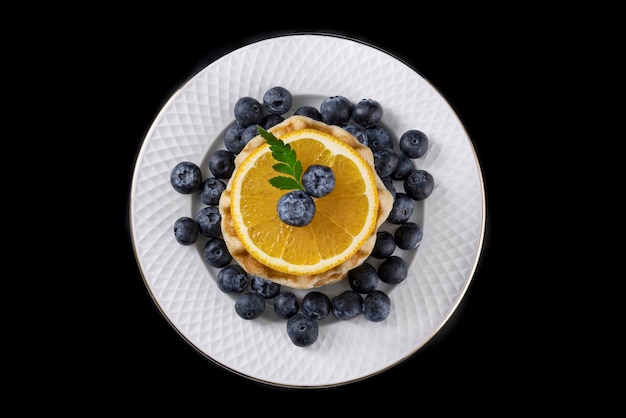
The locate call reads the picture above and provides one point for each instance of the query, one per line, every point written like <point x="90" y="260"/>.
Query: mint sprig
<point x="288" y="163"/>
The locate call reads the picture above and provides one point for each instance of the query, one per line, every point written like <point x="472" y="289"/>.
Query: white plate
<point x="191" y="125"/>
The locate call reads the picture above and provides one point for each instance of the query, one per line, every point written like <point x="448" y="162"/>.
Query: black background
<point x="512" y="341"/>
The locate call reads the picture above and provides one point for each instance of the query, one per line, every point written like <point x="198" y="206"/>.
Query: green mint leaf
<point x="288" y="162"/>
<point x="290" y="155"/>
<point x="284" y="183"/>
<point x="282" y="168"/>
<point x="298" y="170"/>
<point x="278" y="152"/>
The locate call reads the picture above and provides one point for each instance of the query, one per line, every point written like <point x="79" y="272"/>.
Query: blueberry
<point x="286" y="304"/>
<point x="277" y="100"/>
<point x="186" y="230"/>
<point x="222" y="164"/>
<point x="336" y="110"/>
<point x="232" y="279"/>
<point x="408" y="236"/>
<point x="414" y="143"/>
<point x="363" y="278"/>
<point x="250" y="305"/>
<point x="186" y="177"/>
<point x="232" y="138"/>
<point x="264" y="287"/>
<point x="296" y="208"/>
<point x="316" y="304"/>
<point x="376" y="306"/>
<point x="347" y="304"/>
<point x="302" y="330"/>
<point x="215" y="253"/>
<point x="248" y="111"/>
<point x="378" y="137"/>
<point x="404" y="168"/>
<point x="385" y="161"/>
<point x="309" y="111"/>
<point x="367" y="113"/>
<point x="393" y="270"/>
<point x="211" y="190"/>
<point x="357" y="132"/>
<point x="385" y="245"/>
<point x="419" y="184"/>
<point x="249" y="133"/>
<point x="271" y="120"/>
<point x="209" y="221"/>
<point x="318" y="180"/>
<point x="401" y="210"/>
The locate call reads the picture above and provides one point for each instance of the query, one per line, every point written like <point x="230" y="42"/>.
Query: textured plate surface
<point x="191" y="126"/>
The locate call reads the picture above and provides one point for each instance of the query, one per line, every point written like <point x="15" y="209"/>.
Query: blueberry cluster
<point x="302" y="315"/>
<point x="391" y="163"/>
<point x="250" y="113"/>
<point x="297" y="207"/>
<point x="186" y="178"/>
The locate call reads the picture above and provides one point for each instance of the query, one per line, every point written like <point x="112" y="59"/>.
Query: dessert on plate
<point x="343" y="230"/>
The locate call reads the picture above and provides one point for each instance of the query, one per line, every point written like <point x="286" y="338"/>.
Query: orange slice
<point x="343" y="221"/>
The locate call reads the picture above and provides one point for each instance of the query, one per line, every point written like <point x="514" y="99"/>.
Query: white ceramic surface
<point x="191" y="125"/>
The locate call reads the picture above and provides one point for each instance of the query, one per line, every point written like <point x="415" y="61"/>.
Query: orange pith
<point x="344" y="219"/>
